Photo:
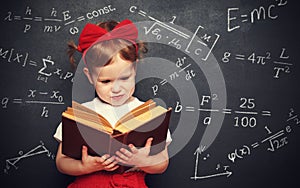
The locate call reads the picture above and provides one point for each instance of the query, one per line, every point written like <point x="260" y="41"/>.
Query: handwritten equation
<point x="281" y="63"/>
<point x="34" y="96"/>
<point x="275" y="141"/>
<point x="46" y="67"/>
<point x="182" y="40"/>
<point x="245" y="116"/>
<point x="234" y="19"/>
<point x="38" y="150"/>
<point x="55" y="20"/>
<point x="183" y="69"/>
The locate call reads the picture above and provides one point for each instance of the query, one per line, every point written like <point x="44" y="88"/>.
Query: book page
<point x="90" y="117"/>
<point x="148" y="105"/>
<point x="141" y="119"/>
<point x="94" y="125"/>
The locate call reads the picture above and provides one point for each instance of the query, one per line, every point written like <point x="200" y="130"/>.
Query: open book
<point x="83" y="126"/>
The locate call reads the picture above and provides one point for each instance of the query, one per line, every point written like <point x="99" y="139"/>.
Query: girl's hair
<point x="102" y="53"/>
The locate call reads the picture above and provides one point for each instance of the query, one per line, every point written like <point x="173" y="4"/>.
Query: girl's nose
<point x="116" y="87"/>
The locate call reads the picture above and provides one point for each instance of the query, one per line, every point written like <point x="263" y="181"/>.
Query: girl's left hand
<point x="134" y="157"/>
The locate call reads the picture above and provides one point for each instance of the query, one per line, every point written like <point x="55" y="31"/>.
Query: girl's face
<point x="115" y="82"/>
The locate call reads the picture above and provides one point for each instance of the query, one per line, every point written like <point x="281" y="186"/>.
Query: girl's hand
<point x="135" y="157"/>
<point x="92" y="164"/>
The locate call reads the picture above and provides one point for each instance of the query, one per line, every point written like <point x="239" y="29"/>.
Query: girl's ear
<point x="88" y="75"/>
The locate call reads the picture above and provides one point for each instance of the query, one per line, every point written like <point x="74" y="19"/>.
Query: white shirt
<point x="111" y="113"/>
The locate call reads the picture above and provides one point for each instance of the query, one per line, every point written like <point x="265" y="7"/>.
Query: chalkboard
<point x="228" y="69"/>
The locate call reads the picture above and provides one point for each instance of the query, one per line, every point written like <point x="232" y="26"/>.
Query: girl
<point x="110" y="51"/>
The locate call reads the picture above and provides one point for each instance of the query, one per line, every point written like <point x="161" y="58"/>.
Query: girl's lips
<point x="117" y="98"/>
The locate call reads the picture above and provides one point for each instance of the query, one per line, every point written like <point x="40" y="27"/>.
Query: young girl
<point x="110" y="51"/>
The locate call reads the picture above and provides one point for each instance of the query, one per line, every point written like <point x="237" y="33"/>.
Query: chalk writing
<point x="293" y="117"/>
<point x="182" y="65"/>
<point x="281" y="64"/>
<point x="244" y="121"/>
<point x="38" y="150"/>
<point x="13" y="56"/>
<point x="54" y="23"/>
<point x="275" y="140"/>
<point x="88" y="16"/>
<point x="225" y="172"/>
<point x="262" y="13"/>
<point x="184" y="41"/>
<point x="34" y="96"/>
<point x="51" y="22"/>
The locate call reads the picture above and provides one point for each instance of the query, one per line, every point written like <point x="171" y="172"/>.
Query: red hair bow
<point x="92" y="33"/>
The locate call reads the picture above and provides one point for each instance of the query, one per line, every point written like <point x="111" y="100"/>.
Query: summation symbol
<point x="38" y="150"/>
<point x="23" y="59"/>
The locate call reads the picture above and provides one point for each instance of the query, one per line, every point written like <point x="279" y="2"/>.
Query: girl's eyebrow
<point x="125" y="75"/>
<point x="104" y="78"/>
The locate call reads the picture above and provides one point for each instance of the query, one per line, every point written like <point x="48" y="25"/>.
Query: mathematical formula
<point x="184" y="68"/>
<point x="245" y="116"/>
<point x="45" y="67"/>
<point x="54" y="22"/>
<point x="281" y="63"/>
<point x="34" y="96"/>
<point x="274" y="140"/>
<point x="185" y="41"/>
<point x="262" y="13"/>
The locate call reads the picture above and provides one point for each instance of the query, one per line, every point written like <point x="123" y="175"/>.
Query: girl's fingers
<point x="104" y="157"/>
<point x="84" y="153"/>
<point x="126" y="152"/>
<point x="112" y="165"/>
<point x="120" y="160"/>
<point x="122" y="156"/>
<point x="149" y="142"/>
<point x="109" y="161"/>
<point x="133" y="149"/>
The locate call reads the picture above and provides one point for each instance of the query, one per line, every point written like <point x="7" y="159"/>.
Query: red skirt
<point x="134" y="179"/>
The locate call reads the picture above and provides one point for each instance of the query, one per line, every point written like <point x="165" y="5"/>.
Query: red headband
<point x="93" y="33"/>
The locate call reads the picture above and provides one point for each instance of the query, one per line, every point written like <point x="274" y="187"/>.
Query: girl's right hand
<point x="92" y="164"/>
